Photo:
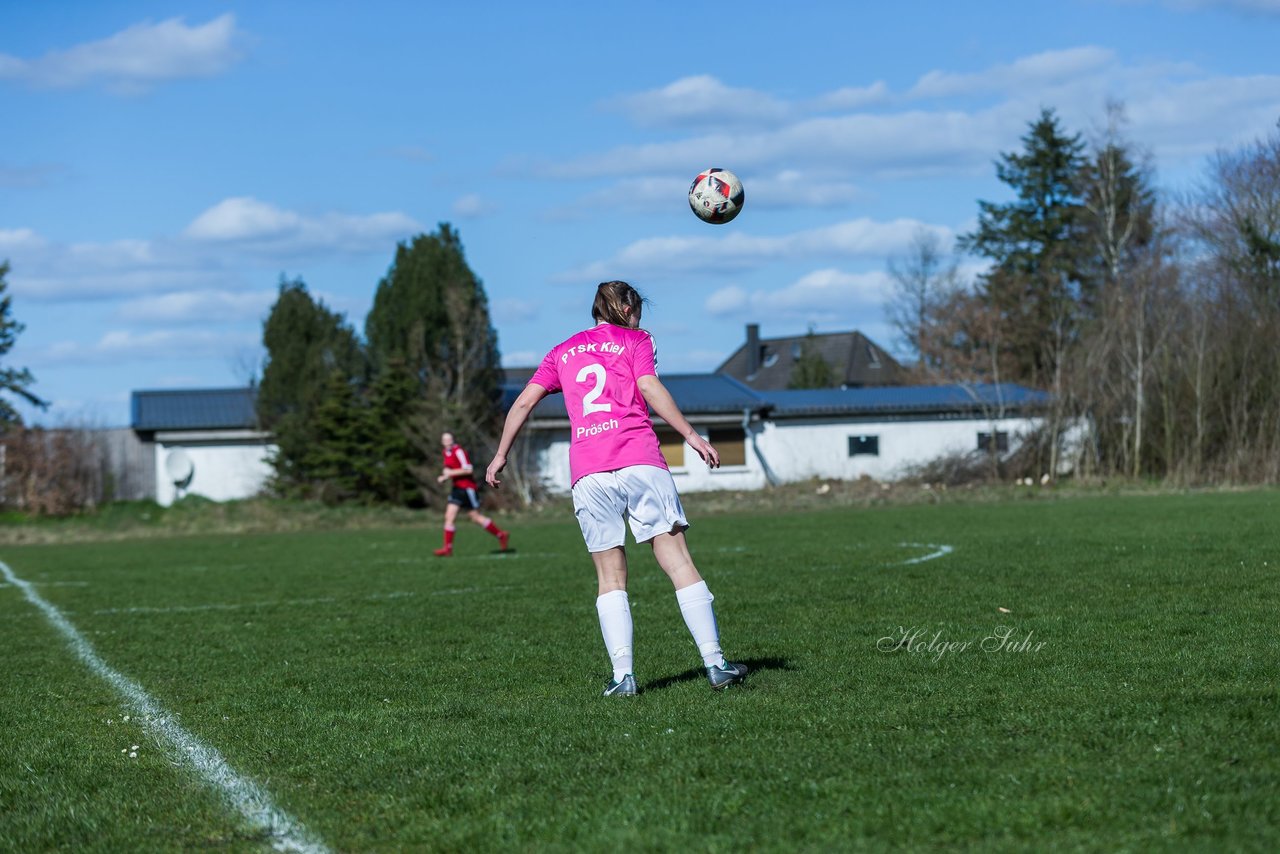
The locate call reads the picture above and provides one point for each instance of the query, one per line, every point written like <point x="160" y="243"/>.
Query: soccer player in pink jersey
<point x="609" y="379"/>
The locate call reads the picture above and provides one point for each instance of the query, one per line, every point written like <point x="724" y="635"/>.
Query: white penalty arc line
<point x="247" y="797"/>
<point x="939" y="551"/>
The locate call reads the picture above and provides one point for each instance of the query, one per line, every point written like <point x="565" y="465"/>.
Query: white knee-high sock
<point x="695" y="606"/>
<point x="614" y="610"/>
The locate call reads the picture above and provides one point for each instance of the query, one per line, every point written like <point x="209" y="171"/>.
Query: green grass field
<point x="1124" y="699"/>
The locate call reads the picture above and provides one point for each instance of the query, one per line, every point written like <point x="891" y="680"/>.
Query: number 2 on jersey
<point x="589" y="404"/>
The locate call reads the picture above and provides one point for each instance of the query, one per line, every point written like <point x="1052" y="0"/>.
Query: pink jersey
<point x="597" y="370"/>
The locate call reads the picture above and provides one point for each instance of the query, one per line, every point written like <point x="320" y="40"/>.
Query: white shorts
<point x="645" y="496"/>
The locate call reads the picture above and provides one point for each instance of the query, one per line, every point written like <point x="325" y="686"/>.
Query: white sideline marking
<point x="249" y="799"/>
<point x="942" y="551"/>
<point x="55" y="584"/>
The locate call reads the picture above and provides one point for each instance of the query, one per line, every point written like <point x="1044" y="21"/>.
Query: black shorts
<point x="465" y="497"/>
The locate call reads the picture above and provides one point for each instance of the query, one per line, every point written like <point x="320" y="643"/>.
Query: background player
<point x="457" y="466"/>
<point x="609" y="378"/>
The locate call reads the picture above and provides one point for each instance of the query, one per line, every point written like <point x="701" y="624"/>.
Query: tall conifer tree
<point x="309" y="349"/>
<point x="1035" y="243"/>
<point x="430" y="320"/>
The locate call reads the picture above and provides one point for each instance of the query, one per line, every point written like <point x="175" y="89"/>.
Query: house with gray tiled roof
<point x="765" y="433"/>
<point x="785" y="435"/>
<point x="855" y="360"/>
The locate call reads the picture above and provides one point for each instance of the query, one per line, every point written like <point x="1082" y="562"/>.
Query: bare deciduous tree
<point x="924" y="278"/>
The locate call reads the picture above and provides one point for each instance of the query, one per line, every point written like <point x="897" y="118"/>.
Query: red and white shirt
<point x="456" y="458"/>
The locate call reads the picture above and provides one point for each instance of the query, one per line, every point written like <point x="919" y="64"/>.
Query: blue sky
<point x="163" y="164"/>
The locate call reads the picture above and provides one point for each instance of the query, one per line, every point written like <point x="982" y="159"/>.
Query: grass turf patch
<point x="1095" y="673"/>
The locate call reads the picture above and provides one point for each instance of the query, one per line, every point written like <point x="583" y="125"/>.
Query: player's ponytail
<point x="616" y="303"/>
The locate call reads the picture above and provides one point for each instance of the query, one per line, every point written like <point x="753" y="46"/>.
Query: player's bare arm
<point x="516" y="418"/>
<point x="661" y="402"/>
<point x="448" y="473"/>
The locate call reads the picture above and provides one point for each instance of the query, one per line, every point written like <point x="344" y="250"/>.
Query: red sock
<point x="448" y="537"/>
<point x="493" y="529"/>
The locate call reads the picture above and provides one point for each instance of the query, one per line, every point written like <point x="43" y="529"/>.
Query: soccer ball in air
<point x="716" y="195"/>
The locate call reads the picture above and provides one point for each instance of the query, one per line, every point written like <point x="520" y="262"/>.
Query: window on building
<point x="672" y="444"/>
<point x="864" y="446"/>
<point x="1002" y="441"/>
<point x="731" y="445"/>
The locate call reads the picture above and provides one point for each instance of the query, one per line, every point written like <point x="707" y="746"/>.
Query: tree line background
<point x="1151" y="317"/>
<point x="359" y="418"/>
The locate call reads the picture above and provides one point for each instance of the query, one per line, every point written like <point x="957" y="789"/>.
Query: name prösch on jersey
<point x="593" y="347"/>
<point x="596" y="429"/>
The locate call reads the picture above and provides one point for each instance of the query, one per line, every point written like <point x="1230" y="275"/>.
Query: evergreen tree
<point x="1119" y="207"/>
<point x="390" y="470"/>
<point x="430" y="321"/>
<point x="16" y="381"/>
<point x="1035" y="243"/>
<point x="811" y="370"/>
<point x="331" y="463"/>
<point x="307" y="347"/>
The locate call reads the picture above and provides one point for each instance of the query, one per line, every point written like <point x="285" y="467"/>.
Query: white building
<point x="205" y="442"/>
<point x="784" y="436"/>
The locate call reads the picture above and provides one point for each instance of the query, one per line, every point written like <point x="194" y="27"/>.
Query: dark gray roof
<point x="855" y="361"/>
<point x="705" y="393"/>
<point x="695" y="394"/>
<point x="904" y="400"/>
<point x="717" y="394"/>
<point x="195" y="409"/>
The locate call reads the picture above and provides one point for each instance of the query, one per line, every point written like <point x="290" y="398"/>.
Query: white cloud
<point x="522" y="358"/>
<point x="243" y="218"/>
<point x="1170" y="103"/>
<point x="851" y="98"/>
<point x="134" y="58"/>
<point x="794" y="188"/>
<point x="513" y="310"/>
<point x="261" y="226"/>
<point x="120" y="346"/>
<point x="920" y="140"/>
<point x="20" y="239"/>
<point x="197" y="306"/>
<point x="1029" y="72"/>
<point x="736" y="251"/>
<point x="727" y="302"/>
<point x="822" y="295"/>
<point x="218" y="251"/>
<point x="44" y="270"/>
<point x="473" y="205"/>
<point x="1264" y="7"/>
<point x="701" y="102"/>
<point x="788" y="188"/>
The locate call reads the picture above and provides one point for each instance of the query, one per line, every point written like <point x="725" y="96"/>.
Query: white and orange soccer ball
<point x="716" y="195"/>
